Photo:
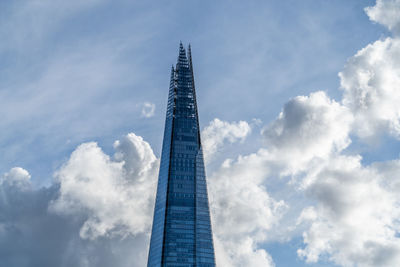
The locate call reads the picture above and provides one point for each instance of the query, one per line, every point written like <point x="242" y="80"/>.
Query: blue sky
<point x="77" y="72"/>
<point x="81" y="72"/>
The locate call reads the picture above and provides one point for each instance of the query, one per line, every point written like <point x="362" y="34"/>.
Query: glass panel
<point x="181" y="233"/>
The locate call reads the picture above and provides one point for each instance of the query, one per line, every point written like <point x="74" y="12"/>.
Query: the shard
<point x="181" y="233"/>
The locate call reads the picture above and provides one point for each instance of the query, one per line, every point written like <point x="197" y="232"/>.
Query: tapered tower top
<point x="181" y="233"/>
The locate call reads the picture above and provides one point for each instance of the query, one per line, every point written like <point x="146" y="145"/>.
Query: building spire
<point x="181" y="232"/>
<point x="190" y="56"/>
<point x="172" y="81"/>
<point x="182" y="58"/>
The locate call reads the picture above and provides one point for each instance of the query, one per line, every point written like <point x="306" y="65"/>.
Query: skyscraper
<point x="181" y="233"/>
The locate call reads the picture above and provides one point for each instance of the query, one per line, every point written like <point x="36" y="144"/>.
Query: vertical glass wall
<point x="181" y="234"/>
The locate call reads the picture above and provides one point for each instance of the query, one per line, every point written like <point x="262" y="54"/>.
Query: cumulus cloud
<point x="347" y="193"/>
<point x="370" y="81"/>
<point x="24" y="221"/>
<point x="242" y="212"/>
<point x="244" y="253"/>
<point x="218" y="132"/>
<point x="390" y="170"/>
<point x="17" y="177"/>
<point x="101" y="206"/>
<point x="309" y="130"/>
<point x="99" y="209"/>
<point x="355" y="221"/>
<point x="30" y="235"/>
<point x="117" y="194"/>
<point x="386" y="12"/>
<point x="148" y="109"/>
<point x="309" y="127"/>
<point x="238" y="197"/>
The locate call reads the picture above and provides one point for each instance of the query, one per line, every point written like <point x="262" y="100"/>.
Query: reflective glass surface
<point x="181" y="233"/>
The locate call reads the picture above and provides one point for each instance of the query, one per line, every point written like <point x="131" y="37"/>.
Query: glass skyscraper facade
<point x="181" y="234"/>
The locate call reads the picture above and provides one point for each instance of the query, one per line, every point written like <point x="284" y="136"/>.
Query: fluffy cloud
<point x="355" y="221"/>
<point x="109" y="202"/>
<point x="390" y="170"/>
<point x="309" y="127"/>
<point x="31" y="236"/>
<point x="352" y="212"/>
<point x="218" y="132"/>
<point x="17" y="177"/>
<point x="238" y="197"/>
<point x="309" y="130"/>
<point x="117" y="194"/>
<point x="24" y="221"/>
<point x="95" y="197"/>
<point x="355" y="217"/>
<point x="370" y="81"/>
<point x="242" y="212"/>
<point x="386" y="12"/>
<point x="114" y="197"/>
<point x="244" y="253"/>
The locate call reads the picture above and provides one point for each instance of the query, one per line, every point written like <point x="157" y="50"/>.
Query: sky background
<point x="298" y="156"/>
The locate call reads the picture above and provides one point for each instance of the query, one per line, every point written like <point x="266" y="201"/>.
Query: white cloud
<point x="309" y="127"/>
<point x="242" y="211"/>
<point x="115" y="198"/>
<point x="353" y="210"/>
<point x="370" y="81"/>
<point x="17" y="177"/>
<point x="117" y="195"/>
<point x="111" y="198"/>
<point x="107" y="199"/>
<point x="355" y="221"/>
<point x="25" y="219"/>
<point x="244" y="253"/>
<point x="309" y="131"/>
<point x="218" y="132"/>
<point x="386" y="12"/>
<point x="148" y="109"/>
<point x="391" y="171"/>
